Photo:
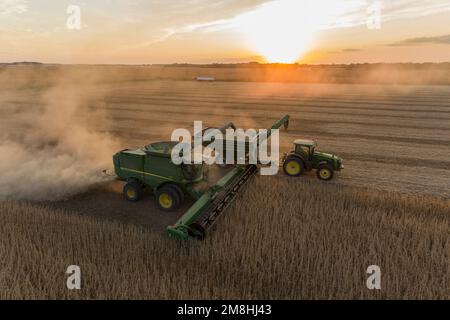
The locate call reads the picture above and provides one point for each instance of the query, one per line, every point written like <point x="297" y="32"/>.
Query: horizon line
<point x="219" y="63"/>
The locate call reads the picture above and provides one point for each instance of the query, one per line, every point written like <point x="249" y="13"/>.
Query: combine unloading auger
<point x="196" y="222"/>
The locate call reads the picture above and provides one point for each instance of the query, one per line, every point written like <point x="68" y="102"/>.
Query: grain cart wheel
<point x="294" y="167"/>
<point x="325" y="172"/>
<point x="168" y="198"/>
<point x="132" y="191"/>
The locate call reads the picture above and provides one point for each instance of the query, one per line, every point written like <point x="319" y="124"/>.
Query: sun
<point x="281" y="31"/>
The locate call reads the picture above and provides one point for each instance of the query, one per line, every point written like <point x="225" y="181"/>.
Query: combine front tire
<point x="168" y="198"/>
<point x="293" y="167"/>
<point x="325" y="172"/>
<point x="133" y="191"/>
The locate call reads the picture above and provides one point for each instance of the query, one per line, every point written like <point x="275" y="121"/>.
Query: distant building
<point x="205" y="79"/>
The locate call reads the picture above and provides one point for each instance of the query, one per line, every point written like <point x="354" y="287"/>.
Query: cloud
<point x="154" y="23"/>
<point x="334" y="13"/>
<point x="351" y="50"/>
<point x="414" y="8"/>
<point x="445" y="39"/>
<point x="356" y="12"/>
<point x="343" y="51"/>
<point x="13" y="6"/>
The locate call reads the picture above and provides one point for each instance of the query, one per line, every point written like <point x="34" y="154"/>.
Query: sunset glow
<point x="286" y="31"/>
<point x="280" y="31"/>
<point x="283" y="31"/>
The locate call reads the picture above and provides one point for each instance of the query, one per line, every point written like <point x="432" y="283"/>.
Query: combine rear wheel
<point x="133" y="191"/>
<point x="168" y="198"/>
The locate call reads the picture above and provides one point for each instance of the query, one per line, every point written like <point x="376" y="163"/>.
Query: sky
<point x="218" y="31"/>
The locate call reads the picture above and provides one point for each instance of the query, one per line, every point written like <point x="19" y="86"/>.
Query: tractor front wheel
<point x="168" y="198"/>
<point x="133" y="191"/>
<point x="325" y="172"/>
<point x="294" y="167"/>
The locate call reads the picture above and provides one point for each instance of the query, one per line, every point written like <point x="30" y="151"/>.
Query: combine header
<point x="204" y="213"/>
<point x="151" y="168"/>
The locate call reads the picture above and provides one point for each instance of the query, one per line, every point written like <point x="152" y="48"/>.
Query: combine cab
<point x="152" y="168"/>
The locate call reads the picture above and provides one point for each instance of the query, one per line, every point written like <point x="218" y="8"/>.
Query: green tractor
<point x="305" y="158"/>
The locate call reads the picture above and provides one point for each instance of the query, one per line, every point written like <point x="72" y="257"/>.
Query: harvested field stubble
<point x="282" y="238"/>
<point x="313" y="246"/>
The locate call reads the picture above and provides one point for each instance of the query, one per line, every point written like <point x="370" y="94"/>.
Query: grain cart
<point x="151" y="167"/>
<point x="305" y="157"/>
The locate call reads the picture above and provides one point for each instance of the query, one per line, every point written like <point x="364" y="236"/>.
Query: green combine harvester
<point x="152" y="168"/>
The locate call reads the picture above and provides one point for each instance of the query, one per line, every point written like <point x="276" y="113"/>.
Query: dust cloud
<point x="53" y="148"/>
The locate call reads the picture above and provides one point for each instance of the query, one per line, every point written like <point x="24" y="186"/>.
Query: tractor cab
<point x="305" y="148"/>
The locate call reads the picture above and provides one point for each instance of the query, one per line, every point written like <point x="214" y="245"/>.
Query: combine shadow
<point x="106" y="202"/>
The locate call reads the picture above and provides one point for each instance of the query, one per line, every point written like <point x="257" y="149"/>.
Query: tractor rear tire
<point x="133" y="191"/>
<point x="168" y="198"/>
<point x="325" y="172"/>
<point x="293" y="167"/>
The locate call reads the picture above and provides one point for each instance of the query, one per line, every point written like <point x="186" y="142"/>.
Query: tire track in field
<point x="296" y="104"/>
<point x="310" y="121"/>
<point x="396" y="99"/>
<point x="411" y="105"/>
<point x="307" y="116"/>
<point x="317" y="102"/>
<point x="306" y="111"/>
<point x="301" y="116"/>
<point x="408" y="162"/>
<point x="325" y="91"/>
<point x="306" y="127"/>
<point x="336" y="89"/>
<point x="310" y="108"/>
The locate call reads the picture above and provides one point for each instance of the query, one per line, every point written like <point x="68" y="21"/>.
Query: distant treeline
<point x="298" y="65"/>
<point x="378" y="73"/>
